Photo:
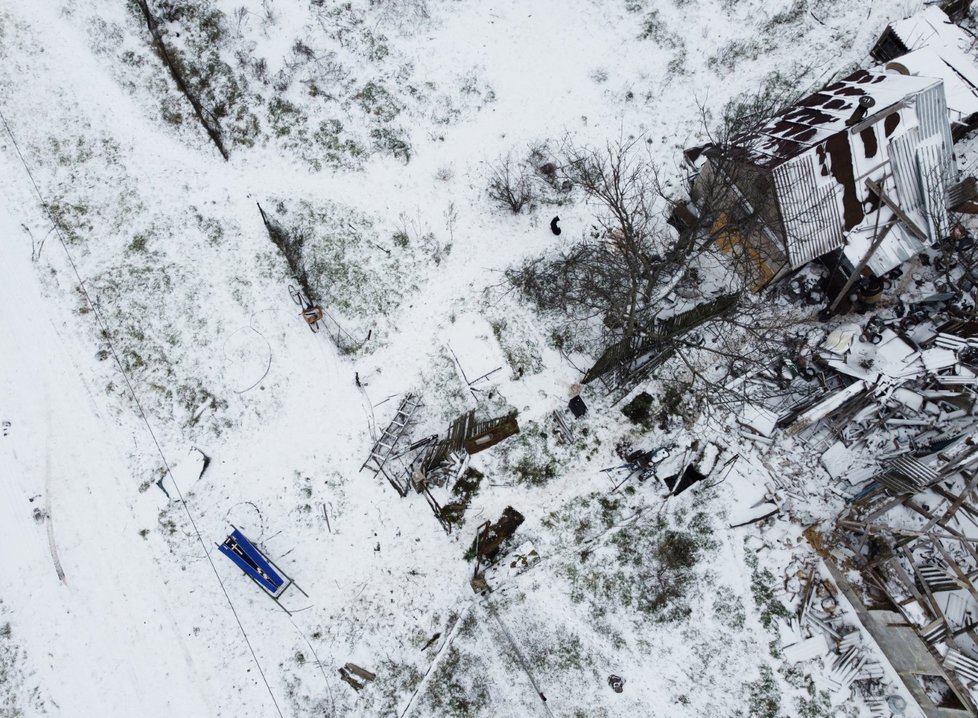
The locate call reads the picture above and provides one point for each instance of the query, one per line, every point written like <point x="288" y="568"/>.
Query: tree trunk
<point x="213" y="131"/>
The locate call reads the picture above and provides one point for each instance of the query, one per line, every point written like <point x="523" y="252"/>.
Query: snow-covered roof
<point x="959" y="73"/>
<point x="940" y="48"/>
<point x="825" y="151"/>
<point x="823" y="114"/>
<point x="931" y="28"/>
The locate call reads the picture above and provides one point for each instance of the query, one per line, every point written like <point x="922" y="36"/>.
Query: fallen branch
<point x="212" y="131"/>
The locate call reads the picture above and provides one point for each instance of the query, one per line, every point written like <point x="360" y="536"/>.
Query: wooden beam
<point x="878" y="190"/>
<point x="953" y="508"/>
<point x="892" y="503"/>
<point x="935" y="608"/>
<point x="884" y="529"/>
<point x="941" y="491"/>
<point x="962" y="576"/>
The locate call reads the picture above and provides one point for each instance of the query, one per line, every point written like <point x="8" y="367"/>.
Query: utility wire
<point x="108" y="338"/>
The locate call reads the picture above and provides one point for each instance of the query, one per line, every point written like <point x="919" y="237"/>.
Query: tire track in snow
<point x="47" y="518"/>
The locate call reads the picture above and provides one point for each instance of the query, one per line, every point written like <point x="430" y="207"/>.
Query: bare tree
<point x="642" y="282"/>
<point x="622" y="269"/>
<point x="511" y="184"/>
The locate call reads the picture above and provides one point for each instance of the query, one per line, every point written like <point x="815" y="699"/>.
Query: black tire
<point x="296" y="296"/>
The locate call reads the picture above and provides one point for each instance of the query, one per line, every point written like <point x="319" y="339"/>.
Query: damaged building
<point x="929" y="44"/>
<point x="891" y="407"/>
<point x="856" y="173"/>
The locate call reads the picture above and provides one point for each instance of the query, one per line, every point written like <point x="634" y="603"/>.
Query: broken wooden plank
<point x="827" y="406"/>
<point x="360" y="672"/>
<point x="914" y="228"/>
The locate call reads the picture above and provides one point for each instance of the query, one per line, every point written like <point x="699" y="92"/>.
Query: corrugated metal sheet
<point x="899" y="246"/>
<point x="910" y="468"/>
<point x="903" y="162"/>
<point x="896" y="485"/>
<point x="906" y="146"/>
<point x="921" y="170"/>
<point x="931" y="157"/>
<point x="812" y="222"/>
<point x="931" y="107"/>
<point x="811" y="206"/>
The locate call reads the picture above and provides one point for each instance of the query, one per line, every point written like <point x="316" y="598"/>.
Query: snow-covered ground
<point x="118" y="604"/>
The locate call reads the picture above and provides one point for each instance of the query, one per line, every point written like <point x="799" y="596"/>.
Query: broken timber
<point x="630" y="360"/>
<point x="469" y="435"/>
<point x="878" y="190"/>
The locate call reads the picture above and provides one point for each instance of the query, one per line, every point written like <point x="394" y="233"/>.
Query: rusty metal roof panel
<point x="824" y="113"/>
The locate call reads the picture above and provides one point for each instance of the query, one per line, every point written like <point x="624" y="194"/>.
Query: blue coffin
<point x="239" y="549"/>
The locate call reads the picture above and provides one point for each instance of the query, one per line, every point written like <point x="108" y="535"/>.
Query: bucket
<point x="871" y="290"/>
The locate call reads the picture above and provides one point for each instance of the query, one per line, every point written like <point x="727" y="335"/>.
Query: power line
<point x="108" y="338"/>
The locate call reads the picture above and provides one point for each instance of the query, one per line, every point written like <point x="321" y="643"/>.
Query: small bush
<point x="673" y="399"/>
<point x="389" y="141"/>
<point x="639" y="409"/>
<point x="762" y="584"/>
<point x="510" y="184"/>
<point x="764" y="695"/>
<point x="654" y="29"/>
<point x="528" y="456"/>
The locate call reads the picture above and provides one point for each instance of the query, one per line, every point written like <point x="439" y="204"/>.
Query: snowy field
<point x="370" y="127"/>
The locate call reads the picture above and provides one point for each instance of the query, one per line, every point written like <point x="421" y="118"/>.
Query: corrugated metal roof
<point x="822" y="114"/>
<point x="821" y="154"/>
<point x="822" y="192"/>
<point x="896" y="484"/>
<point x="931" y="107"/>
<point x="903" y="164"/>
<point x="897" y="247"/>
<point x="812" y="222"/>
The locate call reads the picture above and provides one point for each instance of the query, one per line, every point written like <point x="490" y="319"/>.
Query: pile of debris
<point x="877" y="398"/>
<point x="428" y="462"/>
<point x="890" y="407"/>
<point x="827" y="630"/>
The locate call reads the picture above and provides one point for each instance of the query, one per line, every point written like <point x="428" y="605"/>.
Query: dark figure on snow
<point x="553" y="225"/>
<point x="356" y="378"/>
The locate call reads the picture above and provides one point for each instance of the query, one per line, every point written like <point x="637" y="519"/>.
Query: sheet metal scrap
<point x="833" y="632"/>
<point x="917" y="552"/>
<point x="901" y="396"/>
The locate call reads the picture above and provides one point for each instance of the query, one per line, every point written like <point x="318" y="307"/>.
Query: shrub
<point x="764" y="695"/>
<point x="639" y="409"/>
<point x="509" y="184"/>
<point x="762" y="583"/>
